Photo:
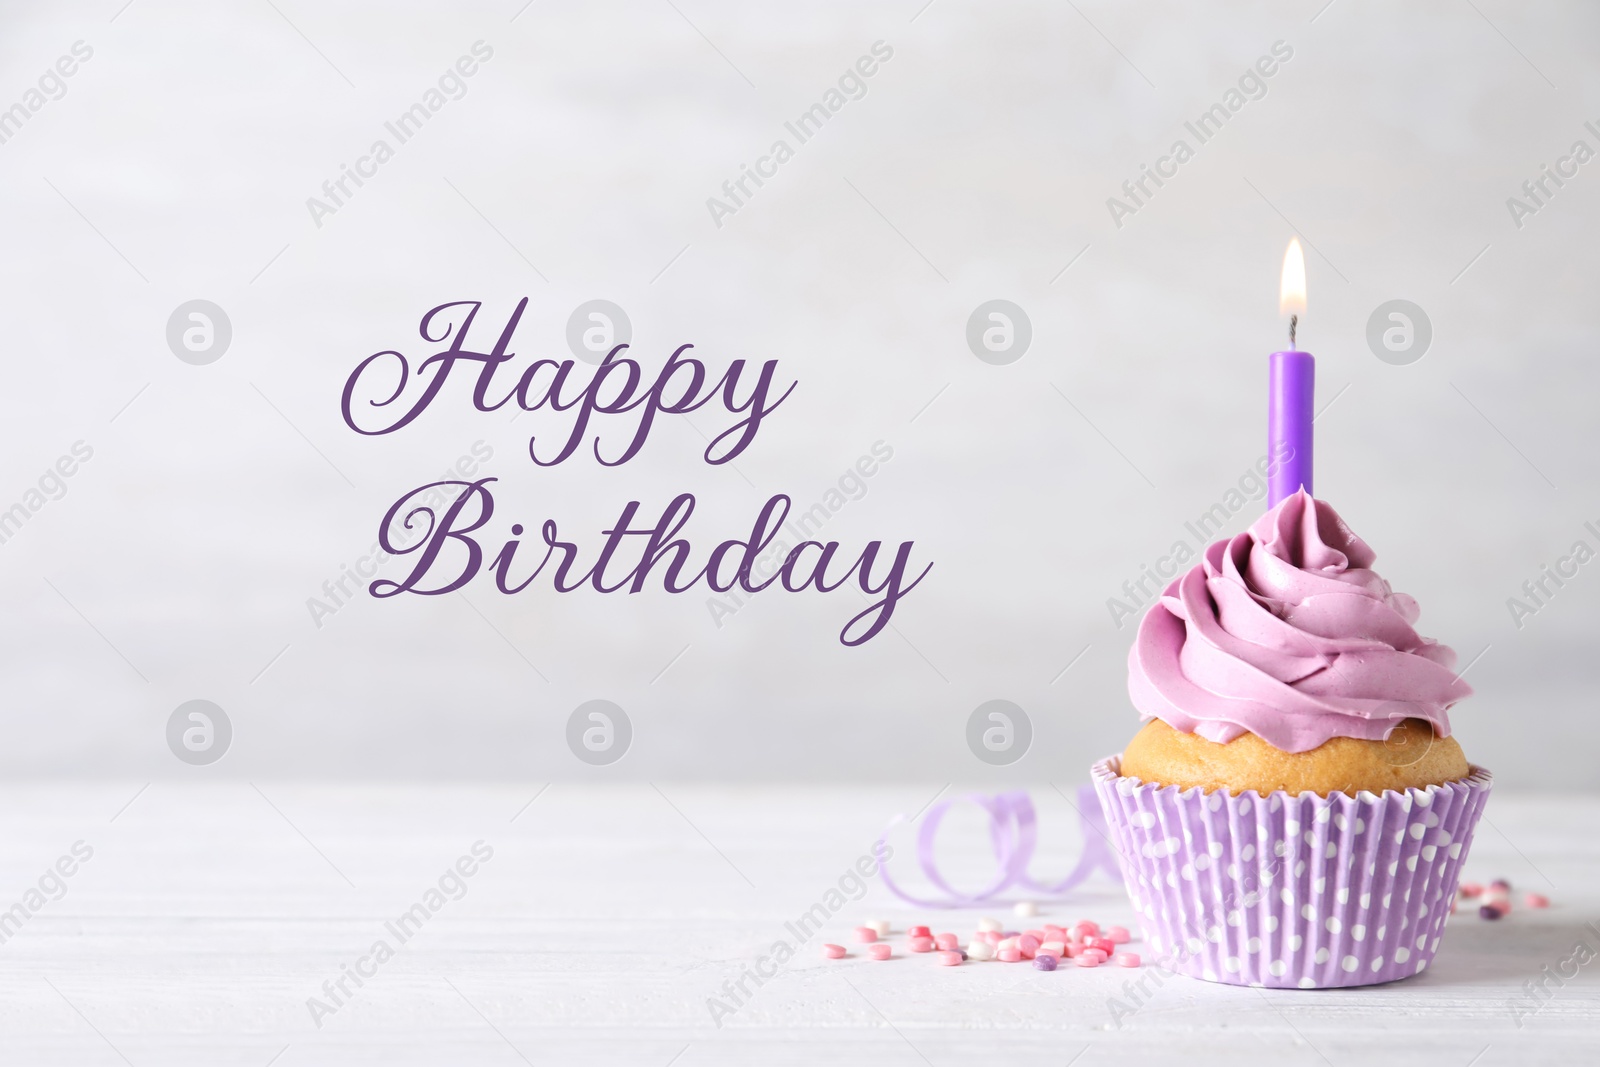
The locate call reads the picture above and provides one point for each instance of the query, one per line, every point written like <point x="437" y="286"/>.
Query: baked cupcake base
<point x="1291" y="891"/>
<point x="1411" y="757"/>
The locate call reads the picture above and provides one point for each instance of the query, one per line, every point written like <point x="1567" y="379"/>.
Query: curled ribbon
<point x="1013" y="835"/>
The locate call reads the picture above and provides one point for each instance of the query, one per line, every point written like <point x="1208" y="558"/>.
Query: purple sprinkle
<point x="1500" y="883"/>
<point x="1044" y="963"/>
<point x="1011" y="933"/>
<point x="1489" y="911"/>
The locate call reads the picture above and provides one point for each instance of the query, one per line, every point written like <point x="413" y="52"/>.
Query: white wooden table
<point x="210" y="911"/>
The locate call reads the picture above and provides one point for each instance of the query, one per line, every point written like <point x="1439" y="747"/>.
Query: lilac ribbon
<point x="1013" y="835"/>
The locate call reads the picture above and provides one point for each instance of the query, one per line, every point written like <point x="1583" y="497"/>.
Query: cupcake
<point x="1294" y="811"/>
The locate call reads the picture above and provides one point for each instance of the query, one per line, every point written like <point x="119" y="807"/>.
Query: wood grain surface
<point x="209" y="914"/>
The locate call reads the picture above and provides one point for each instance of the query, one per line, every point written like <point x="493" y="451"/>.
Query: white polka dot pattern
<point x="1299" y="892"/>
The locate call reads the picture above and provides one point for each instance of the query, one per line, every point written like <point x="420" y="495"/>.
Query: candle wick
<point x="1294" y="320"/>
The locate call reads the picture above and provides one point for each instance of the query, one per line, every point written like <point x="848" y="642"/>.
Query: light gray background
<point x="177" y="165"/>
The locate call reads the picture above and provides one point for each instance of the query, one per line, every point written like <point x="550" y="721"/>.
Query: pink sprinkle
<point x="1038" y="935"/>
<point x="1089" y="959"/>
<point x="1096" y="953"/>
<point x="992" y="936"/>
<point x="1072" y="948"/>
<point x="1536" y="900"/>
<point x="922" y="944"/>
<point x="866" y="934"/>
<point x="947" y="942"/>
<point x="832" y="952"/>
<point x="1119" y="935"/>
<point x="1028" y="944"/>
<point x="1009" y="955"/>
<point x="1085" y="929"/>
<point x="1104" y="944"/>
<point x="949" y="959"/>
<point x="919" y="931"/>
<point x="880" y="950"/>
<point x="1471" y="889"/>
<point x="1127" y="959"/>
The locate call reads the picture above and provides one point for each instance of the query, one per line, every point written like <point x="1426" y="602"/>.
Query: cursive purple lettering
<point x="620" y="385"/>
<point x="633" y="551"/>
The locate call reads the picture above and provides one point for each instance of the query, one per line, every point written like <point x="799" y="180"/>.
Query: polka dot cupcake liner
<point x="1286" y="891"/>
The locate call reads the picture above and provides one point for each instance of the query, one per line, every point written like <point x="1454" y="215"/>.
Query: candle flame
<point x="1292" y="290"/>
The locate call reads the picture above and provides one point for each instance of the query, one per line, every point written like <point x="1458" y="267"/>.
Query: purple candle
<point x="1291" y="392"/>
<point x="1291" y="384"/>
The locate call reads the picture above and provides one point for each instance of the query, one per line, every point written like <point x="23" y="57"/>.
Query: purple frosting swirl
<point x="1287" y="632"/>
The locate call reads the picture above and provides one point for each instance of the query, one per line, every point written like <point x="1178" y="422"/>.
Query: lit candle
<point x="1291" y="388"/>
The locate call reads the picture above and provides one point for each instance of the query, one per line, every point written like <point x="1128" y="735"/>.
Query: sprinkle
<point x="1009" y="942"/>
<point x="922" y="944"/>
<point x="1489" y="911"/>
<point x="832" y="952"/>
<point x="1536" y="900"/>
<point x="1044" y="963"/>
<point x="1028" y="945"/>
<point x="1118" y="935"/>
<point x="1008" y="955"/>
<point x="947" y="942"/>
<point x="1055" y="948"/>
<point x="1500" y="883"/>
<point x="986" y="925"/>
<point x="1096" y="953"/>
<point x="992" y="937"/>
<point x="1025" y="908"/>
<point x="1089" y="959"/>
<point x="980" y="950"/>
<point x="948" y="959"/>
<point x="866" y="934"/>
<point x="1038" y="935"/>
<point x="1085" y="930"/>
<point x="880" y="950"/>
<point x="919" y="931"/>
<point x="1471" y="889"/>
<point x="1127" y="959"/>
<point x="1104" y="944"/>
<point x="879" y="926"/>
